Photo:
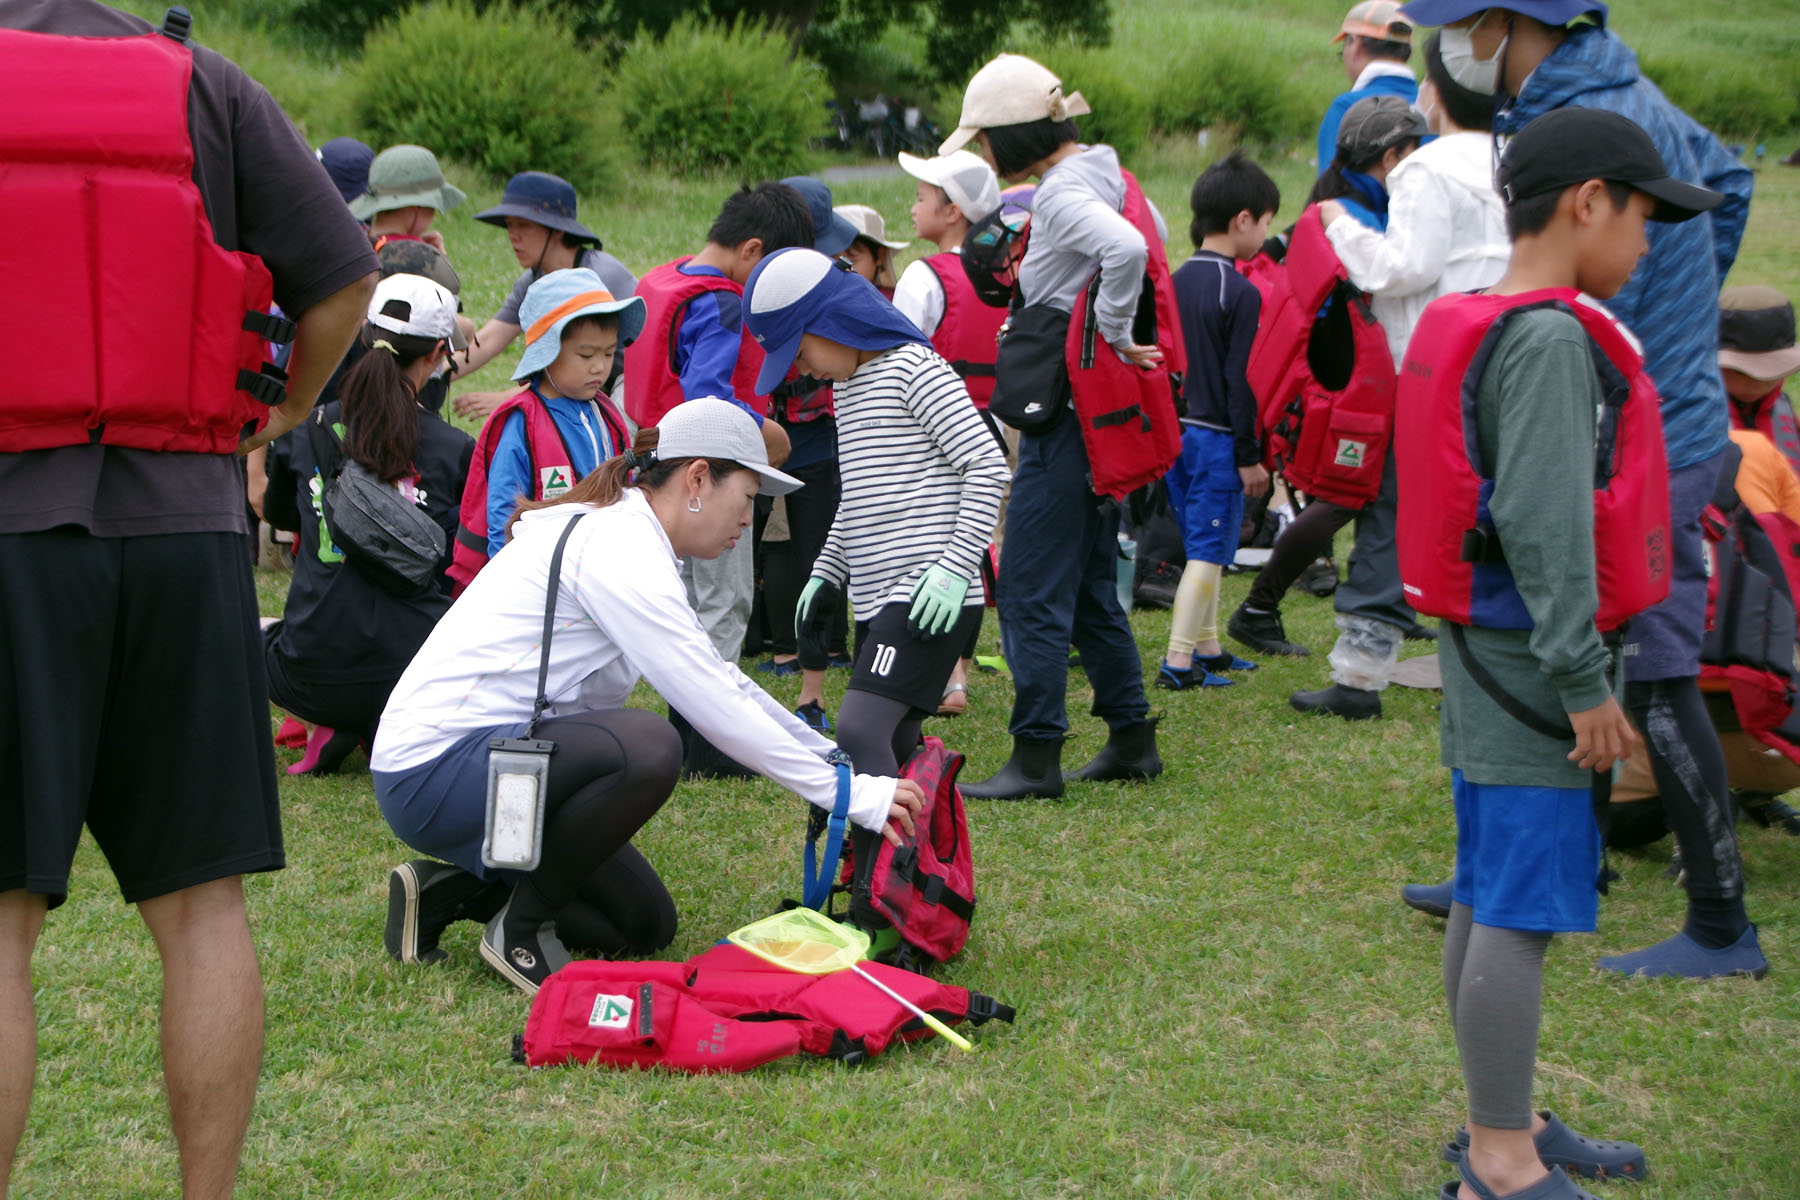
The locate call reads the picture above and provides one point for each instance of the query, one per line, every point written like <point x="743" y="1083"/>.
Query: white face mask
<point x="1457" y="48"/>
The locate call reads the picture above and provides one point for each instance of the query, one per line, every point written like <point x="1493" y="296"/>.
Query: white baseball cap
<point x="418" y="307"/>
<point x="1011" y="90"/>
<point x="708" y="427"/>
<point x="965" y="178"/>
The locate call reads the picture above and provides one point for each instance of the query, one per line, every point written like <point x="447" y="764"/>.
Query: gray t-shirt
<point x="614" y="274"/>
<point x="264" y="193"/>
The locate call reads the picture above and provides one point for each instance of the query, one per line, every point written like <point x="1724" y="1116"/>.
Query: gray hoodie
<point x="1076" y="227"/>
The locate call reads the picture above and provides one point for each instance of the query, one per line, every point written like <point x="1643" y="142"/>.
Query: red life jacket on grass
<point x="1451" y="565"/>
<point x="137" y="328"/>
<point x="1324" y="384"/>
<point x="1129" y="419"/>
<point x="652" y="374"/>
<point x="728" y="1010"/>
<point x="552" y="472"/>
<point x="968" y="337"/>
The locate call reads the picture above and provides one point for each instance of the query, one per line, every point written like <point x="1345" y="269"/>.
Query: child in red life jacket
<point x="1221" y="456"/>
<point x="1529" y="711"/>
<point x="955" y="191"/>
<point x="561" y="424"/>
<point x="1756" y="355"/>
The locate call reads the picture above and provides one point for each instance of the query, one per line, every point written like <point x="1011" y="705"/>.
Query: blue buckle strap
<point x="818" y="876"/>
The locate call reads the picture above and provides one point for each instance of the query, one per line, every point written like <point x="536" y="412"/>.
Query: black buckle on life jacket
<point x="973" y="370"/>
<point x="268" y="383"/>
<point x="1482" y="546"/>
<point x="846" y="1049"/>
<point x="269" y="327"/>
<point x="646" y="1019"/>
<point x="983" y="1009"/>
<point x="178" y="22"/>
<point x="1124" y="416"/>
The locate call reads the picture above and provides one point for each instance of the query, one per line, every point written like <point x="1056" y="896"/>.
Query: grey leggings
<point x="1494" y="985"/>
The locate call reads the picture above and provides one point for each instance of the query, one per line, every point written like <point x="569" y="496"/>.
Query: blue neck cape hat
<point x="1550" y="12"/>
<point x="798" y="291"/>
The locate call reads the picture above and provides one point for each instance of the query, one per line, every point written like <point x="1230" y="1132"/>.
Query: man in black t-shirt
<point x="132" y="697"/>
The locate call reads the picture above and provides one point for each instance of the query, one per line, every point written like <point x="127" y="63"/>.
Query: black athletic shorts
<point x="899" y="665"/>
<point x="132" y="700"/>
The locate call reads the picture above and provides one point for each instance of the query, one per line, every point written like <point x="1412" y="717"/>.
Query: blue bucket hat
<point x="542" y="197"/>
<point x="558" y="298"/>
<point x="832" y="234"/>
<point x="347" y="162"/>
<point x="798" y="291"/>
<point x="1550" y="12"/>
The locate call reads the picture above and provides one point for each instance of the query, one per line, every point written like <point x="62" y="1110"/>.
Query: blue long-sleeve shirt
<point x="509" y="474"/>
<point x="1671" y="303"/>
<point x="708" y="343"/>
<point x="1219" y="310"/>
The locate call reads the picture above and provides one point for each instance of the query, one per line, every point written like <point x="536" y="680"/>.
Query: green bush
<point x="1108" y="82"/>
<point x="503" y="90"/>
<point x="1251" y="79"/>
<point x="1717" y="91"/>
<point x="707" y="97"/>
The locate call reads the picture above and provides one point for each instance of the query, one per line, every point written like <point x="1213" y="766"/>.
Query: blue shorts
<point x="1207" y="494"/>
<point x="439" y="808"/>
<point x="1527" y="858"/>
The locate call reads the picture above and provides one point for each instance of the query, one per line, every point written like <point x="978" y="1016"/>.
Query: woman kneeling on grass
<point x="620" y="613"/>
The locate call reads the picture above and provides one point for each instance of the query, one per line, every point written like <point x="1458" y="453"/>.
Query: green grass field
<point x="1219" y="992"/>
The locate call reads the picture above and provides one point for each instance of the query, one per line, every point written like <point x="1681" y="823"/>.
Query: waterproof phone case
<point x="518" y="774"/>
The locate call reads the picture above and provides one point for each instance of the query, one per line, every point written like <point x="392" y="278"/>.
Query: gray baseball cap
<point x="708" y="427"/>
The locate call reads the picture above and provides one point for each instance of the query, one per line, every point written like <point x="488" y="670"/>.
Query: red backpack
<point x="924" y="888"/>
<point x="728" y="1010"/>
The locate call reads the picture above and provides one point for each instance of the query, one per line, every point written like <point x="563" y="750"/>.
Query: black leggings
<point x="610" y="774"/>
<point x="1306" y="540"/>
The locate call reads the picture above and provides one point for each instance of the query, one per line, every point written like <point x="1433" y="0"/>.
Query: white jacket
<point x="1446" y="233"/>
<point x="621" y="613"/>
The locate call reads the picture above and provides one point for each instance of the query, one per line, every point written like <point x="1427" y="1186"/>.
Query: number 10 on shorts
<point x="883" y="661"/>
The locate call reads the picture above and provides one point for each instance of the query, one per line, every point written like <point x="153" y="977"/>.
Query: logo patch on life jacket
<point x="552" y="482"/>
<point x="1349" y="453"/>
<point x="610" y="1012"/>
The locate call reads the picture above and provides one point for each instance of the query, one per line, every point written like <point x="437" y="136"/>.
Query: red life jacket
<point x="137" y="328"/>
<point x="1130" y="423"/>
<point x="969" y="335"/>
<point x="552" y="471"/>
<point x="796" y="403"/>
<point x="728" y="1010"/>
<point x="1450" y="563"/>
<point x="652" y="374"/>
<point x="1324" y="380"/>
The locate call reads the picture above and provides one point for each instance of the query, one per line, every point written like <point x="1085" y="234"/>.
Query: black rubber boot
<point x="1129" y="755"/>
<point x="1352" y="704"/>
<point x="1033" y="772"/>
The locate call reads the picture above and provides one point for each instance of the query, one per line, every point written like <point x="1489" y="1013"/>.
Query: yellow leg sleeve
<point x="1195" y="618"/>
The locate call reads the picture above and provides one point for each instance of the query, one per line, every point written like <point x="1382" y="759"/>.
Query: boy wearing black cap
<point x="1529" y="712"/>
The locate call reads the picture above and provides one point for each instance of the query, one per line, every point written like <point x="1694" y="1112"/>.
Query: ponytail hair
<point x="379" y="404"/>
<point x="606" y="483"/>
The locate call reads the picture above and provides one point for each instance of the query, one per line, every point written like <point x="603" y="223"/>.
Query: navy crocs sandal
<point x="1554" y="1186"/>
<point x="1560" y="1146"/>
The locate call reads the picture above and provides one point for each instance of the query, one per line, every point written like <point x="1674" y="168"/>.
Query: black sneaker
<point x="425" y="898"/>
<point x="1263" y="631"/>
<point x="1156" y="589"/>
<point x="526" y="962"/>
<point x="1321" y="578"/>
<point x="1352" y="704"/>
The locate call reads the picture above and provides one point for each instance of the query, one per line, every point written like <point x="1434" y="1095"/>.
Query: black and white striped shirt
<point x="922" y="478"/>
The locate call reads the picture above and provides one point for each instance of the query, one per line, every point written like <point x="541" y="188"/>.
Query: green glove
<point x="812" y="616"/>
<point x="937" y="601"/>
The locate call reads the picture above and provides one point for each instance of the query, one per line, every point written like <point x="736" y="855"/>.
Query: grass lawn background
<point x="1219" y="992"/>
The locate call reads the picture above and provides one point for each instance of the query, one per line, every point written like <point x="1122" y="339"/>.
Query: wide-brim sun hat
<point x="708" y="427"/>
<point x="1011" y="90"/>
<point x="1756" y="333"/>
<point x="558" y="298"/>
<point x="415" y="306"/>
<point x="832" y="234"/>
<point x="966" y="179"/>
<point x="794" y="292"/>
<point x="869" y="225"/>
<point x="406" y="177"/>
<point x="542" y="197"/>
<point x="1550" y="12"/>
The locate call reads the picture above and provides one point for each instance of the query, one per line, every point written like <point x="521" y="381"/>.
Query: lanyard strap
<point x="542" y="702"/>
<point x="817" y="877"/>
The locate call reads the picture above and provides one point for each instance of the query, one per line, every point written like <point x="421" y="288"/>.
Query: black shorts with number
<point x="900" y="665"/>
<point x="132" y="700"/>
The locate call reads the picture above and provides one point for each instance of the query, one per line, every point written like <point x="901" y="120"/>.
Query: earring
<point x="693" y="504"/>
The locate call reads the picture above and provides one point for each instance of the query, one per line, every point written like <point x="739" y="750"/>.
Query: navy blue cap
<point x="542" y="197"/>
<point x="832" y="234"/>
<point x="347" y="162"/>
<point x="797" y="291"/>
<point x="1550" y="12"/>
